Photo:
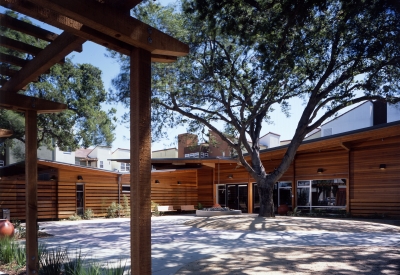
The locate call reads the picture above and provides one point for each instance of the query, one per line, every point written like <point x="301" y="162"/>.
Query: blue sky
<point x="95" y="55"/>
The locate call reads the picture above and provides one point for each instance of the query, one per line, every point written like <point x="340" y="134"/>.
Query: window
<point x="1" y="163"/>
<point x="101" y="164"/>
<point x="126" y="188"/>
<point x="125" y="167"/>
<point x="187" y="155"/>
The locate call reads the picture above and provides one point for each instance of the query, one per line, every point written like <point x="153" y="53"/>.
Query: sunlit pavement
<point x="174" y="244"/>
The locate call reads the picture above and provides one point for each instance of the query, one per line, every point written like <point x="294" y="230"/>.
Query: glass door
<point x="243" y="198"/>
<point x="80" y="199"/>
<point x="232" y="196"/>
<point x="221" y="198"/>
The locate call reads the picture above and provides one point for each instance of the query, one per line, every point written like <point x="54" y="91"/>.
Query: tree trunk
<point x="266" y="192"/>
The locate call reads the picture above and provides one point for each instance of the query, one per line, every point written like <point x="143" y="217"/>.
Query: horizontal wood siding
<point x="205" y="181"/>
<point x="100" y="191"/>
<point x="374" y="191"/>
<point x="169" y="192"/>
<point x="12" y="197"/>
<point x="334" y="165"/>
<point x="223" y="171"/>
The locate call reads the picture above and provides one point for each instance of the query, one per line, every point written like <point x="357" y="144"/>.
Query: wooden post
<point x="140" y="84"/>
<point x="32" y="266"/>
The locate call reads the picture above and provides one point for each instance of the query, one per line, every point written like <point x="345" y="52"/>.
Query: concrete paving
<point x="175" y="245"/>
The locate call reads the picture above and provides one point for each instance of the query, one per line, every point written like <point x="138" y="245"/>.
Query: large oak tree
<point x="247" y="57"/>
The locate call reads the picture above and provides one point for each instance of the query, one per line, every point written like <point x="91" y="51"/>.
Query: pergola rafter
<point x="109" y="24"/>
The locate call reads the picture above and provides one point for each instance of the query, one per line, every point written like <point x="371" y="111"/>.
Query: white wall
<point x="102" y="153"/>
<point x="270" y="140"/>
<point x="64" y="156"/>
<point x="393" y="112"/>
<point x="357" y="118"/>
<point x="119" y="154"/>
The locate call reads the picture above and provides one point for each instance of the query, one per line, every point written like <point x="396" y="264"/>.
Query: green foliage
<point x="113" y="210"/>
<point x="199" y="206"/>
<point x="125" y="206"/>
<point x="77" y="85"/>
<point x="52" y="261"/>
<point x="75" y="217"/>
<point x="154" y="208"/>
<point x="20" y="231"/>
<point x="88" y="215"/>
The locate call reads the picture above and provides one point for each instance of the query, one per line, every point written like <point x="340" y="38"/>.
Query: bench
<point x="165" y="208"/>
<point x="187" y="208"/>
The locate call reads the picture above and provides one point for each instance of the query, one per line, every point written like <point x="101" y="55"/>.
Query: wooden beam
<point x="346" y="145"/>
<point x="140" y="93"/>
<point x="13" y="60"/>
<point x="76" y="28"/>
<point x="4" y="70"/>
<point x="114" y="23"/>
<point x="62" y="46"/>
<point x="18" y="102"/>
<point x="5" y="133"/>
<point x="32" y="264"/>
<point x="19" y="46"/>
<point x="24" y="27"/>
<point x="124" y="5"/>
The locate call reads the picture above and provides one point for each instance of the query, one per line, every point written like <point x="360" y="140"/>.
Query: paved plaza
<point x="238" y="245"/>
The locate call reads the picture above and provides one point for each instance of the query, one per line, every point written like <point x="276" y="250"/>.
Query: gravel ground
<point x="299" y="260"/>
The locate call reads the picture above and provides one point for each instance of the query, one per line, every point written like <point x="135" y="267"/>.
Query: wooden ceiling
<point x="105" y="22"/>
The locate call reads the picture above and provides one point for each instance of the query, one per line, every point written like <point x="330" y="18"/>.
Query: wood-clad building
<point x="357" y="171"/>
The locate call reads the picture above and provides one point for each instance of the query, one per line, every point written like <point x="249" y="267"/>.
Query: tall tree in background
<point x="77" y="85"/>
<point x="249" y="57"/>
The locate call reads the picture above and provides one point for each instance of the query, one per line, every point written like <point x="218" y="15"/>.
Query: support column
<point x="140" y="93"/>
<point x="32" y="266"/>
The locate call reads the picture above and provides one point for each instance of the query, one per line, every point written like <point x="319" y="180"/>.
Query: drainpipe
<point x="119" y="191"/>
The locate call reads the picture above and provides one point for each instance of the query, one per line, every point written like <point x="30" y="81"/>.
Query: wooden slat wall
<point x="375" y="191"/>
<point x="12" y="197"/>
<point x="205" y="182"/>
<point x="223" y="170"/>
<point x="334" y="163"/>
<point x="168" y="192"/>
<point x="100" y="191"/>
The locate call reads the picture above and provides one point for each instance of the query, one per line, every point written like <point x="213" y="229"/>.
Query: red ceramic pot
<point x="283" y="209"/>
<point x="6" y="229"/>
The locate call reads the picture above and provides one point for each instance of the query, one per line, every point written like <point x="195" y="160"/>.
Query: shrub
<point x="88" y="215"/>
<point x="125" y="206"/>
<point x="75" y="217"/>
<point x="154" y="207"/>
<point x="113" y="210"/>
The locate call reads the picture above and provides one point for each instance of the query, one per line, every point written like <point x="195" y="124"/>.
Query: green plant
<point x="88" y="215"/>
<point x="75" y="217"/>
<point x="154" y="207"/>
<point x="126" y="207"/>
<point x="199" y="206"/>
<point x="74" y="266"/>
<point x="113" y="210"/>
<point x="117" y="270"/>
<point x="7" y="246"/>
<point x="52" y="261"/>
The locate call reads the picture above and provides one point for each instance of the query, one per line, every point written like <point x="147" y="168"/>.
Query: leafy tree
<point x="77" y="85"/>
<point x="249" y="57"/>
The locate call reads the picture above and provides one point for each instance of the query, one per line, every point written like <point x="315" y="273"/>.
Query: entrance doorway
<point x="80" y="199"/>
<point x="234" y="196"/>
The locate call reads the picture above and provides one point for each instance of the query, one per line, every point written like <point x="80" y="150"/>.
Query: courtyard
<point x="246" y="244"/>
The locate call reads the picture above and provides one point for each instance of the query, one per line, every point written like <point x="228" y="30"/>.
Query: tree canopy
<point x="249" y="57"/>
<point x="79" y="86"/>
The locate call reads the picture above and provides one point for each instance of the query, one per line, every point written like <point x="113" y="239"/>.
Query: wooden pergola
<point x="108" y="23"/>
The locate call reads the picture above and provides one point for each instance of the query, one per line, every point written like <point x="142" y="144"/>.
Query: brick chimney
<point x="186" y="140"/>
